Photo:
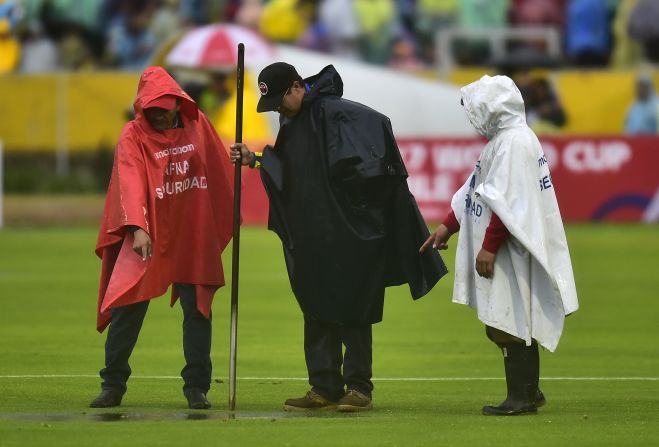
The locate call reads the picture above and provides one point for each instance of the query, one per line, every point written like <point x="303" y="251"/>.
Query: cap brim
<point x="167" y="102"/>
<point x="270" y="103"/>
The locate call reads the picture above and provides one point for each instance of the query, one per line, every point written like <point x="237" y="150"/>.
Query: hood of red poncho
<point x="154" y="83"/>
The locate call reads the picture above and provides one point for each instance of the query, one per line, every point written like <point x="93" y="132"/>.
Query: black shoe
<point x="107" y="399"/>
<point x="510" y="409"/>
<point x="196" y="399"/>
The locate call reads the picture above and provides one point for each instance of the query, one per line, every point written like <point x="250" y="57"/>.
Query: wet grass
<point x="48" y="283"/>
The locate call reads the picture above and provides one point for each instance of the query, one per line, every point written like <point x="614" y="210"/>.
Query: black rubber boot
<point x="534" y="373"/>
<point x="522" y="373"/>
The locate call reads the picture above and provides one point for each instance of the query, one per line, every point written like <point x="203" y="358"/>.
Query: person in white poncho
<point x="512" y="261"/>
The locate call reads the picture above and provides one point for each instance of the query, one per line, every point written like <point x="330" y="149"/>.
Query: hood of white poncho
<point x="493" y="104"/>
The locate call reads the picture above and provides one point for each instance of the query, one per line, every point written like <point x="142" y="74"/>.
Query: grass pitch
<point x="433" y="366"/>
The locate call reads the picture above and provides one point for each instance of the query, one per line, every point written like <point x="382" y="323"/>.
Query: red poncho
<point x="177" y="186"/>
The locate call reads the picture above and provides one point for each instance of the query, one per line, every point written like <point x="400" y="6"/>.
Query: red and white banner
<point x="596" y="178"/>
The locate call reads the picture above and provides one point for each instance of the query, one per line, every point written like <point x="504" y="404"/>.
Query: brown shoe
<point x="310" y="401"/>
<point x="355" y="401"/>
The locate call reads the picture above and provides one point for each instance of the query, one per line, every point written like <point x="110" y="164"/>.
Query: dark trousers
<point x="125" y="327"/>
<point x="323" y="351"/>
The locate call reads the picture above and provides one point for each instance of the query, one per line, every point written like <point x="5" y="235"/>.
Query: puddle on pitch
<point x="115" y="416"/>
<point x="109" y="417"/>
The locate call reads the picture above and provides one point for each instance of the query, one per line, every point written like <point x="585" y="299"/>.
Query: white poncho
<point x="532" y="288"/>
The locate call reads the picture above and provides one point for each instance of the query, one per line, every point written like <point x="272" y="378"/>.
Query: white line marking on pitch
<point x="382" y="379"/>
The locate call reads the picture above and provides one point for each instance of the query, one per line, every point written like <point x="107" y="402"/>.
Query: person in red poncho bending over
<point x="167" y="218"/>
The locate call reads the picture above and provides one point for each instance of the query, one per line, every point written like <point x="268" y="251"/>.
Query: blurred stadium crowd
<point x="39" y="36"/>
<point x="57" y="54"/>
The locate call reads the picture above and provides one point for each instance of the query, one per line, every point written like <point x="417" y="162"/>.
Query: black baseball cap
<point x="274" y="81"/>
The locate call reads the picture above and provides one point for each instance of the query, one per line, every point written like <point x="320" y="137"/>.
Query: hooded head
<point x="158" y="89"/>
<point x="492" y="104"/>
<point x="283" y="90"/>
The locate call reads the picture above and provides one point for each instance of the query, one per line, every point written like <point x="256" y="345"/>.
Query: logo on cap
<point x="264" y="88"/>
